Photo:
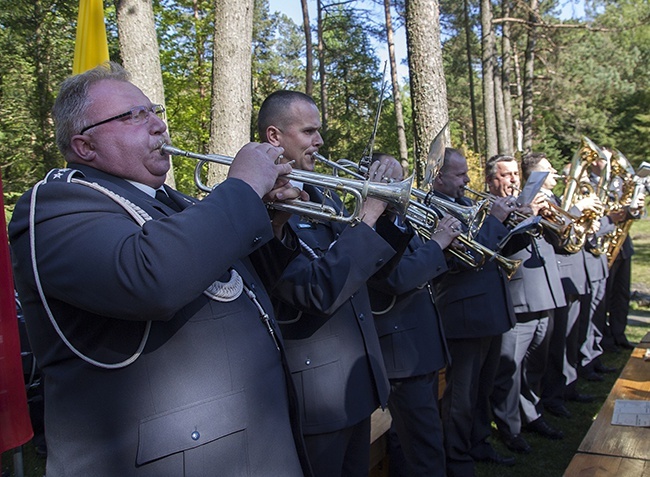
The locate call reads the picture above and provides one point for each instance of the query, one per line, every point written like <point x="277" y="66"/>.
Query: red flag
<point x="16" y="428"/>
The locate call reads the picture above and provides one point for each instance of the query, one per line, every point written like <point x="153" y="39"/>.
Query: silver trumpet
<point x="396" y="194"/>
<point x="423" y="214"/>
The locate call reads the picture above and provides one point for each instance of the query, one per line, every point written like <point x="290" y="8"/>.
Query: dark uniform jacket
<point x="325" y="317"/>
<point x="407" y="321"/>
<point x="476" y="302"/>
<point x="209" y="392"/>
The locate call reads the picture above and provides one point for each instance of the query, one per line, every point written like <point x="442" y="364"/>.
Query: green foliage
<point x="596" y="83"/>
<point x="589" y="81"/>
<point x="278" y="56"/>
<point x="353" y="78"/>
<point x="37" y="44"/>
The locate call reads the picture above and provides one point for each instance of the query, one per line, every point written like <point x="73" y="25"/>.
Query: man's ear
<point x="83" y="148"/>
<point x="273" y="135"/>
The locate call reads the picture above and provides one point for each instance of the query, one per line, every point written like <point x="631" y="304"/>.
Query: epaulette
<point x="65" y="175"/>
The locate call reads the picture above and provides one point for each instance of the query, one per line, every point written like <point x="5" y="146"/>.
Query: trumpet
<point x="424" y="217"/>
<point x="397" y="194"/>
<point x="476" y="254"/>
<point x="420" y="211"/>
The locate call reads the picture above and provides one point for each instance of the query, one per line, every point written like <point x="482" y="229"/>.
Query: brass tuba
<point x="578" y="186"/>
<point x="630" y="191"/>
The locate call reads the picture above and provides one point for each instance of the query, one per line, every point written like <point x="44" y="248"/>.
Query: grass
<point x="640" y="234"/>
<point x="548" y="458"/>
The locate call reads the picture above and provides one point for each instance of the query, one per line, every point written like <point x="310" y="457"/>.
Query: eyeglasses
<point x="137" y="115"/>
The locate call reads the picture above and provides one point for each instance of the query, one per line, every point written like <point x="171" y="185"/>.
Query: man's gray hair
<point x="491" y="164"/>
<point x="71" y="105"/>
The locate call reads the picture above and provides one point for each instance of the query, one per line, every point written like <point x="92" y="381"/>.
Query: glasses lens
<point x="139" y="114"/>
<point x="158" y="110"/>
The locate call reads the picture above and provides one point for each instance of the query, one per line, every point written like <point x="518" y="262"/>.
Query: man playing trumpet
<point x="535" y="290"/>
<point x="156" y="339"/>
<point x="476" y="310"/>
<point x="322" y="299"/>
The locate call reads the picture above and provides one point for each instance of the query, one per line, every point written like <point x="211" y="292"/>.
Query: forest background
<point x="516" y="77"/>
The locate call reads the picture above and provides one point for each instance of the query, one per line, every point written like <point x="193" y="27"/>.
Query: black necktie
<point x="162" y="196"/>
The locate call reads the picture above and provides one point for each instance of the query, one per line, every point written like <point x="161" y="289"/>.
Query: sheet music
<point x="532" y="187"/>
<point x="631" y="413"/>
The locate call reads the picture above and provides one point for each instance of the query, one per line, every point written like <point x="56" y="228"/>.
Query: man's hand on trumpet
<point x="255" y="164"/>
<point x="385" y="170"/>
<point x="447" y="230"/>
<point x="283" y="190"/>
<point x="537" y="205"/>
<point x="502" y="207"/>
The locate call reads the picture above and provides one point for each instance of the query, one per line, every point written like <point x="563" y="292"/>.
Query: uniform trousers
<point x="465" y="406"/>
<point x="563" y="357"/>
<point x="351" y="443"/>
<point x="618" y="299"/>
<point x="591" y="347"/>
<point x="522" y="363"/>
<point x="413" y="405"/>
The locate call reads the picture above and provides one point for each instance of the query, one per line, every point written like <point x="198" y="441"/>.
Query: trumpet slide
<point x="396" y="195"/>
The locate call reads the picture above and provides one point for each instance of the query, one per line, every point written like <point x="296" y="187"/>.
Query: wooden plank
<point x="379" y="423"/>
<point x="622" y="441"/>
<point x="590" y="465"/>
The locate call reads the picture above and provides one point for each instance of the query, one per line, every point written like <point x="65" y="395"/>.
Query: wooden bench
<point x="379" y="426"/>
<point x="617" y="451"/>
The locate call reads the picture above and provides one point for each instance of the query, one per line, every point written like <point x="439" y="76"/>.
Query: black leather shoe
<point x="581" y="398"/>
<point x="611" y="349"/>
<point x="559" y="410"/>
<point x="593" y="376"/>
<point x="516" y="443"/>
<point x="497" y="458"/>
<point x="539" y="426"/>
<point x="625" y="345"/>
<point x="601" y="368"/>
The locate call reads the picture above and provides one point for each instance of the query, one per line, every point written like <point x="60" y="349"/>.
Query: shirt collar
<point x="150" y="191"/>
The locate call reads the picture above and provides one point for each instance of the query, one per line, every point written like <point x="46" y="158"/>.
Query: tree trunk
<point x="488" y="64"/>
<point x="499" y="109"/>
<point x="309" y="53"/>
<point x="529" y="76"/>
<point x="399" y="114"/>
<point x="323" y="84"/>
<point x="505" y="76"/>
<point x="428" y="88"/>
<point x="139" y="50"/>
<point x="231" y="81"/>
<point x="44" y="146"/>
<point x="470" y="72"/>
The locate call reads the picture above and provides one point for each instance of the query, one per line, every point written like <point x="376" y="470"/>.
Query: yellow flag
<point x="91" y="46"/>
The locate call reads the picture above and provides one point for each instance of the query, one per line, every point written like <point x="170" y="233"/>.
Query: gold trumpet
<point x="475" y="255"/>
<point x="397" y="194"/>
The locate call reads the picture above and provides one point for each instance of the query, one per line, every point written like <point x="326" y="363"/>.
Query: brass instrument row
<point x="618" y="188"/>
<point x="423" y="209"/>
